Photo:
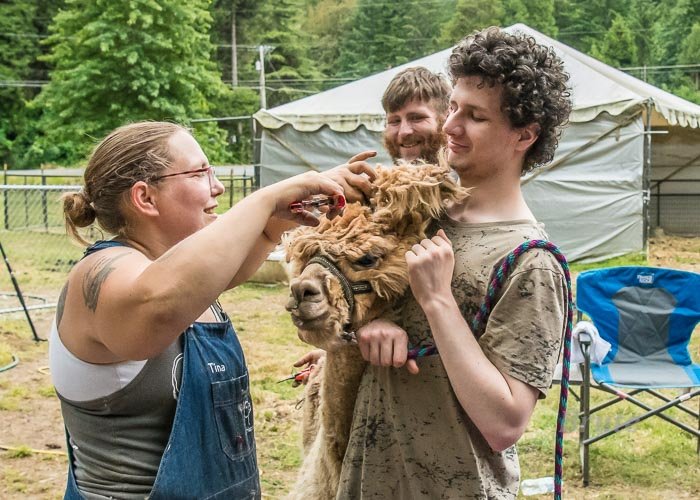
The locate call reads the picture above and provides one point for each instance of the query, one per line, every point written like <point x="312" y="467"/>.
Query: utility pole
<point x="234" y="56"/>
<point x="261" y="63"/>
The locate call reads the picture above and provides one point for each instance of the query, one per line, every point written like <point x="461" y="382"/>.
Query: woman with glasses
<point x="152" y="380"/>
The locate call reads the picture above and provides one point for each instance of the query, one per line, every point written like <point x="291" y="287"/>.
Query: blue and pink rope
<point x="499" y="277"/>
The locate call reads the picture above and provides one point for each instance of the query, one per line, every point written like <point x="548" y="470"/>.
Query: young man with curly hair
<point x="446" y="427"/>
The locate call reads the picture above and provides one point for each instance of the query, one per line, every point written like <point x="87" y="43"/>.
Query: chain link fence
<point x="39" y="252"/>
<point x="675" y="207"/>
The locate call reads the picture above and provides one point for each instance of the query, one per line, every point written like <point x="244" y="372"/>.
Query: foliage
<point x="383" y="35"/>
<point x="324" y="20"/>
<point x="471" y="15"/>
<point x="287" y="60"/>
<point x="113" y="62"/>
<point x="117" y="62"/>
<point x="618" y="46"/>
<point x="538" y="14"/>
<point x="22" y="24"/>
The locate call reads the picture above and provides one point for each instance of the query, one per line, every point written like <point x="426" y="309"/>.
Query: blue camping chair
<point x="648" y="315"/>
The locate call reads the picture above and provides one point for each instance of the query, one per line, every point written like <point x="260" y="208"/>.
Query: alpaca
<point x="345" y="273"/>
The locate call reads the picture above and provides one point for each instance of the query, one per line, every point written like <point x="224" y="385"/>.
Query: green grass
<point x="630" y="259"/>
<point x="20" y="452"/>
<point x="649" y="460"/>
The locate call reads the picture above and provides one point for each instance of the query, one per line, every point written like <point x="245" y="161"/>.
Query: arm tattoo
<point x="61" y="303"/>
<point x="95" y="277"/>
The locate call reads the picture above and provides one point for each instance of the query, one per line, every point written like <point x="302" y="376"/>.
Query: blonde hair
<point x="417" y="83"/>
<point x="131" y="153"/>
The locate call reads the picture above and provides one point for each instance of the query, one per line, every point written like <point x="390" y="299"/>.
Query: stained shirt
<point x="411" y="438"/>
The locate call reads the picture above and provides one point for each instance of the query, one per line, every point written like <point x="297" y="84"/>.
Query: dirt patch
<point x="675" y="252"/>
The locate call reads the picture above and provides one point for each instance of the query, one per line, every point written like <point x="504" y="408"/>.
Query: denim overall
<point x="211" y="449"/>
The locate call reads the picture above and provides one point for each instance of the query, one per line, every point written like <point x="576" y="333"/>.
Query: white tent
<point x="593" y="197"/>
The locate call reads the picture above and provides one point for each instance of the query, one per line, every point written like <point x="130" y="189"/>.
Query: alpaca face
<point x="367" y="244"/>
<point x="363" y="251"/>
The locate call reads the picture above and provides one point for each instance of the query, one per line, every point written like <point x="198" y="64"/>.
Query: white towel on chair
<point x="599" y="346"/>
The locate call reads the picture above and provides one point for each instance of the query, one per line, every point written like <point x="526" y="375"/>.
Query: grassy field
<point x="651" y="460"/>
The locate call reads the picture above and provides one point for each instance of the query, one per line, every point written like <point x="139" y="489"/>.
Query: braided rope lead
<point x="499" y="278"/>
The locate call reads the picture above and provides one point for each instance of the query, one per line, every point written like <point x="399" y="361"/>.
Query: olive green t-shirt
<point x="410" y="436"/>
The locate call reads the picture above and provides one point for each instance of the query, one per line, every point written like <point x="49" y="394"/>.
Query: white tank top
<point x="79" y="380"/>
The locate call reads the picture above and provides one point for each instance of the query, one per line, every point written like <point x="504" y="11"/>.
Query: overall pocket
<point x="233" y="411"/>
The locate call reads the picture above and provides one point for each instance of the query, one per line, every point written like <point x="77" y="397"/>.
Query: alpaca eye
<point x="367" y="260"/>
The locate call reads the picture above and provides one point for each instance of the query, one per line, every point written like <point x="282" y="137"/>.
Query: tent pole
<point x="19" y="293"/>
<point x="646" y="178"/>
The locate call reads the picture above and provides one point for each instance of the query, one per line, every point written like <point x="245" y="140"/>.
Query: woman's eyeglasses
<point x="209" y="170"/>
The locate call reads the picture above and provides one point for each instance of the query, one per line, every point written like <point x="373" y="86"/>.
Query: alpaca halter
<point x="350" y="288"/>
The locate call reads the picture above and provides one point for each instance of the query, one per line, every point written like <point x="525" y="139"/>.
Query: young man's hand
<point x="384" y="343"/>
<point x="430" y="266"/>
<point x="355" y="176"/>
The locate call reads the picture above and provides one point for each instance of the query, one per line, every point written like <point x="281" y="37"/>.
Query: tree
<point x="581" y="23"/>
<point x="471" y="15"/>
<point x="288" y="65"/>
<point x="235" y="18"/>
<point x="537" y="14"/>
<point x="687" y="85"/>
<point x="386" y="34"/>
<point x="326" y="21"/>
<point x="617" y="47"/>
<point x="229" y="17"/>
<point x="117" y="62"/>
<point x="23" y="23"/>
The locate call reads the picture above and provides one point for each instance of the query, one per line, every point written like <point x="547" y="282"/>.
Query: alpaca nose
<point x="305" y="290"/>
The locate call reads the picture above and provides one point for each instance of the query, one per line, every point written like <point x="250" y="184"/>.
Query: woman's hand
<point x="301" y="187"/>
<point x="311" y="359"/>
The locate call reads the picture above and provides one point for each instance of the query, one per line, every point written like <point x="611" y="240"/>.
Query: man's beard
<point x="429" y="146"/>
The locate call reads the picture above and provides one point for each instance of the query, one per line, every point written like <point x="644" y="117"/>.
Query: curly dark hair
<point x="533" y="80"/>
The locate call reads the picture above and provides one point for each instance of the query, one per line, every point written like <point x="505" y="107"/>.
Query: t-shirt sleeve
<point x="525" y="329"/>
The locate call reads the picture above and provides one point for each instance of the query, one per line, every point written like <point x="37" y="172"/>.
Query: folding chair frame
<point x="586" y="440"/>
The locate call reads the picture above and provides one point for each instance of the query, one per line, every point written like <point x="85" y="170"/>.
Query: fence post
<point x="6" y="204"/>
<point x="44" y="207"/>
<point x="26" y="204"/>
<point x="230" y="187"/>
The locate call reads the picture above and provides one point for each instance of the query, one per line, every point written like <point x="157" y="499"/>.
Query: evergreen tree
<point x="687" y="83"/>
<point x="617" y="47"/>
<point x="537" y="14"/>
<point x="583" y="22"/>
<point x="243" y="98"/>
<point x="387" y="34"/>
<point x="18" y="47"/>
<point x="642" y="17"/>
<point x="471" y="15"/>
<point x="23" y="24"/>
<point x="326" y="21"/>
<point x="674" y="25"/>
<point x="224" y="14"/>
<point x="117" y="62"/>
<point x="288" y="67"/>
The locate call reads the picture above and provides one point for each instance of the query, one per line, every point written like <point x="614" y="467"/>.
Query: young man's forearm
<point x="499" y="405"/>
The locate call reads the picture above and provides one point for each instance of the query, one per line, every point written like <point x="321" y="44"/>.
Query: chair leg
<point x="585" y="416"/>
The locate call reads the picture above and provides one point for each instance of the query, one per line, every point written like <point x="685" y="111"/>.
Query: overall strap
<point x="101" y="245"/>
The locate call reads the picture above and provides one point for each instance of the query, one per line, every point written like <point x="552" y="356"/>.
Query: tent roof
<point x="596" y="88"/>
